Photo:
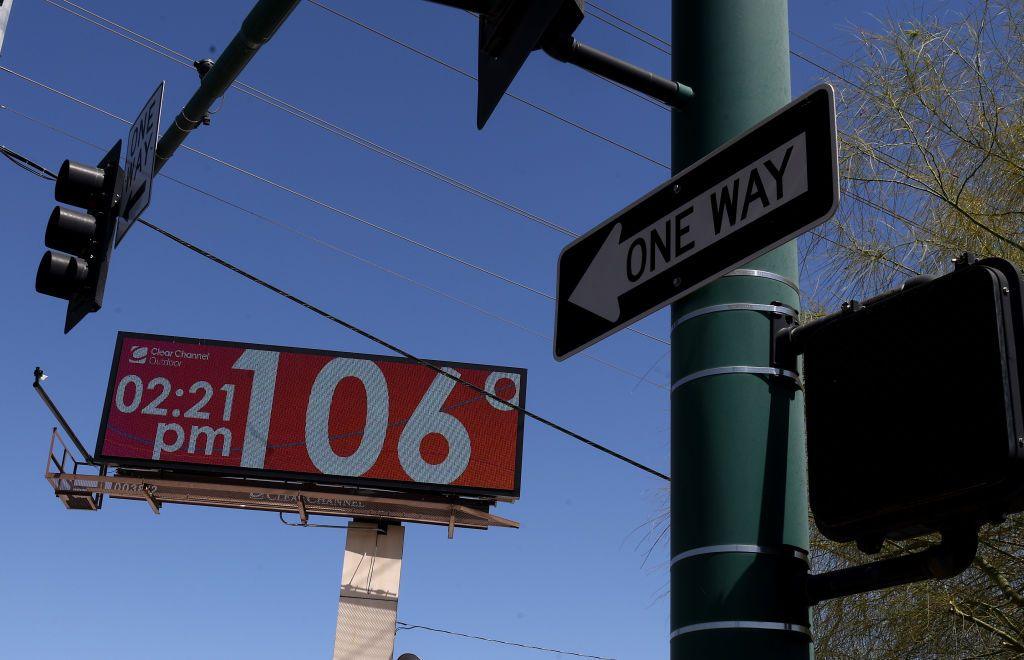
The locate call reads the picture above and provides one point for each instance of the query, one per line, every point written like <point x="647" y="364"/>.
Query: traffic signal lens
<point x="79" y="185"/>
<point x="60" y="275"/>
<point x="70" y="231"/>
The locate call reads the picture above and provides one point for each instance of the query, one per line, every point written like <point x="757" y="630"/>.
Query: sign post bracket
<point x="569" y="50"/>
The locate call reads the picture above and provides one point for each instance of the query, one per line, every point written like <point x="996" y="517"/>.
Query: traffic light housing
<point x="913" y="400"/>
<point x="509" y="32"/>
<point x="75" y="269"/>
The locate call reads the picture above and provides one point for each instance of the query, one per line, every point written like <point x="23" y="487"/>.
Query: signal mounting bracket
<point x="950" y="557"/>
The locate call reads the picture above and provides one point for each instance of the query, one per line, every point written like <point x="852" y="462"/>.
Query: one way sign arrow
<point x="763" y="189"/>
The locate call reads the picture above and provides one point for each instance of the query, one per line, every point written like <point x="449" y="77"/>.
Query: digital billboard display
<point x="310" y="415"/>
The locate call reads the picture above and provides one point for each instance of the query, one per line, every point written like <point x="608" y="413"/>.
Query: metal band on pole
<point x="742" y="625"/>
<point x="782" y="551"/>
<point x="766" y="274"/>
<point x="740" y="369"/>
<point x="737" y="452"/>
<point x="730" y="307"/>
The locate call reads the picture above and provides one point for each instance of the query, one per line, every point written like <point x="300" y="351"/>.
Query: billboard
<point x="309" y="415"/>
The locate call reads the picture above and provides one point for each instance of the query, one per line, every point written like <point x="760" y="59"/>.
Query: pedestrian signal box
<point x="913" y="398"/>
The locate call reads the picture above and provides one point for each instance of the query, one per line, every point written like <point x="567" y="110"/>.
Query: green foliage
<point x="932" y="157"/>
<point x="931" y="116"/>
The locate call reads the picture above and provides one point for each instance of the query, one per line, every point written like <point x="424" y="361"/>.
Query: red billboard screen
<point x="309" y="415"/>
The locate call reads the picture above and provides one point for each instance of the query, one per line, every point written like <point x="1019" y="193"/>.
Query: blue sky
<point x="205" y="583"/>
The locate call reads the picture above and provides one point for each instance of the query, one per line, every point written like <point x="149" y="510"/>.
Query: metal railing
<point x="72" y="490"/>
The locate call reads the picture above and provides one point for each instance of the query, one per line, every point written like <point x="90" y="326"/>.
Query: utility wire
<point x="374" y="338"/>
<point x="311" y="238"/>
<point x="590" y="4"/>
<point x="620" y="28"/>
<point x="325" y="205"/>
<point x="392" y="347"/>
<point x="408" y="626"/>
<point x="635" y="27"/>
<point x="299" y="301"/>
<point x="470" y="76"/>
<point x="992" y="232"/>
<point x="628" y="90"/>
<point x="346" y="214"/>
<point x="883" y="159"/>
<point x="180" y="58"/>
<point x="66" y="5"/>
<point x="594" y="5"/>
<point x="184" y="60"/>
<point x="336" y="210"/>
<point x="21" y="161"/>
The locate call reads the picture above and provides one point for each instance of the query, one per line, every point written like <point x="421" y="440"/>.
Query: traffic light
<point x="78" y="272"/>
<point x="511" y="29"/>
<point x="913" y="399"/>
<point x="508" y="33"/>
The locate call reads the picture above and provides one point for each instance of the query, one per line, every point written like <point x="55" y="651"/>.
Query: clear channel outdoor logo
<point x="154" y="355"/>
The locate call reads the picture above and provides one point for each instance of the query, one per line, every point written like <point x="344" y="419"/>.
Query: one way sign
<point x="755" y="193"/>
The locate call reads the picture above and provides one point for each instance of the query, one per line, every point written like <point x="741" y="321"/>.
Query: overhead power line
<point x="21" y="161"/>
<point x="316" y="240"/>
<point x="318" y="202"/>
<point x="865" y="90"/>
<point x="466" y="74"/>
<point x="394" y="348"/>
<point x="594" y="5"/>
<point x="622" y="29"/>
<point x="346" y="214"/>
<point x="408" y="626"/>
<point x="113" y="27"/>
<point x="628" y="90"/>
<point x="372" y="337"/>
<point x="885" y="159"/>
<point x="182" y="59"/>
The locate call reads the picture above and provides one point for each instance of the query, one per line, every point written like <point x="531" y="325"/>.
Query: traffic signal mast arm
<point x="84" y="241"/>
<point x="570" y="50"/>
<point x="511" y="29"/>
<point x="946" y="559"/>
<point x="257" y="29"/>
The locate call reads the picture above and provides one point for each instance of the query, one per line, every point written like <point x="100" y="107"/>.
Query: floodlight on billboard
<point x="312" y="416"/>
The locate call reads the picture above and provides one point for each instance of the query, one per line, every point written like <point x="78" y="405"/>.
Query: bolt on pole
<point x="739" y="533"/>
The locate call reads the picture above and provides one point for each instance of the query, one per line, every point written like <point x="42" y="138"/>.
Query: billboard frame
<point x="304" y="477"/>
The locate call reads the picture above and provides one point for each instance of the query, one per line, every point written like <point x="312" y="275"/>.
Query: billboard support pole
<point x="739" y="533"/>
<point x="368" y="602"/>
<point x="37" y="383"/>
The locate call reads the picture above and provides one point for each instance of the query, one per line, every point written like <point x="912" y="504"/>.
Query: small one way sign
<point x="753" y="194"/>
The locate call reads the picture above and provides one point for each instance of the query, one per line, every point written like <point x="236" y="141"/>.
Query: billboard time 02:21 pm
<point x="310" y="415"/>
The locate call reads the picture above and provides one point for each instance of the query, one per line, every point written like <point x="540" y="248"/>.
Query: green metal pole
<point x="259" y="26"/>
<point x="739" y="494"/>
